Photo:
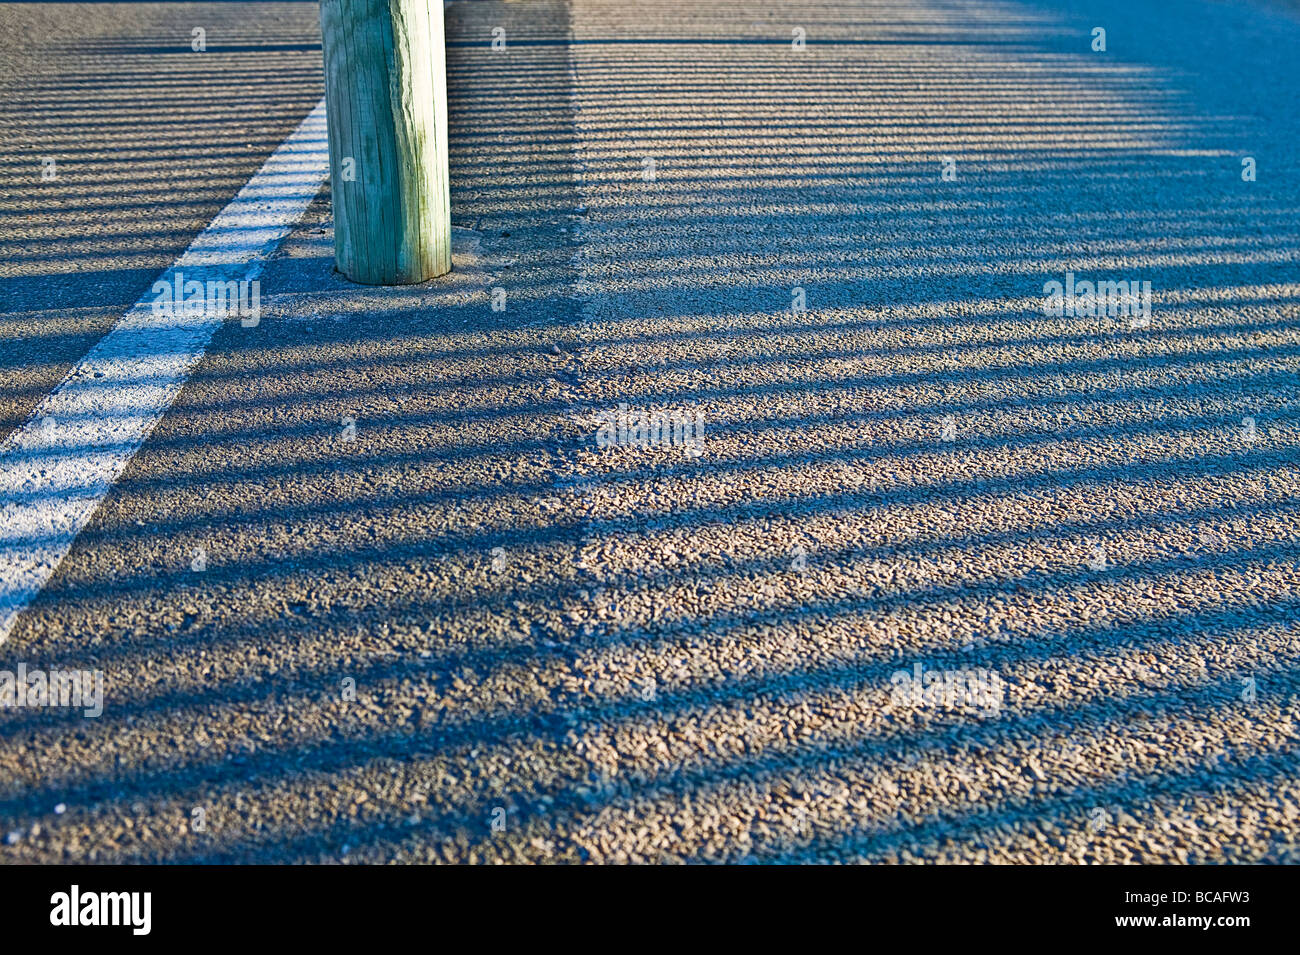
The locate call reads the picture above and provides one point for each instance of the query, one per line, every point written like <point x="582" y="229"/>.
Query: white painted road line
<point x="56" y="468"/>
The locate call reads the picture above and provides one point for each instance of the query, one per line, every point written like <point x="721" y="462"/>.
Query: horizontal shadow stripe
<point x="733" y="41"/>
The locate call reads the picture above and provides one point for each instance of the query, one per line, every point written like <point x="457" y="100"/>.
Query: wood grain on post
<point x="386" y="98"/>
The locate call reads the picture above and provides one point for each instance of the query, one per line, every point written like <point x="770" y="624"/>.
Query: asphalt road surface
<point x="439" y="619"/>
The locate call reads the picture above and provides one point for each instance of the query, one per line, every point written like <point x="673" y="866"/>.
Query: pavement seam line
<point x="57" y="467"/>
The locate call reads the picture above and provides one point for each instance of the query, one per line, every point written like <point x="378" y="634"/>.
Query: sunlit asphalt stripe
<point x="56" y="469"/>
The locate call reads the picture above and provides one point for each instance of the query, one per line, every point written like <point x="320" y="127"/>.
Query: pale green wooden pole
<point x="386" y="96"/>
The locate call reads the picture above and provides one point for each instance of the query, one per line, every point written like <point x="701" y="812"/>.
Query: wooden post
<point x="386" y="97"/>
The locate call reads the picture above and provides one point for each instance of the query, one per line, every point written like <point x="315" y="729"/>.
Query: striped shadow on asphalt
<point x="57" y="467"/>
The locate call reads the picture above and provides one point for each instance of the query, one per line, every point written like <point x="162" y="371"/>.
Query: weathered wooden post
<point x="386" y="97"/>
